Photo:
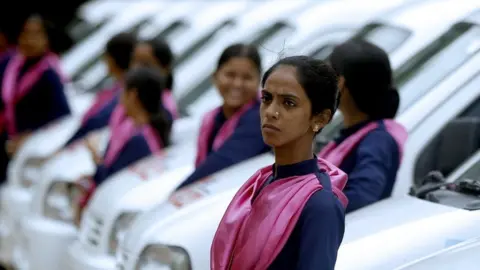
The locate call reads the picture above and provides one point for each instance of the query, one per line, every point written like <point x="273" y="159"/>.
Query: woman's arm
<point x="377" y="159"/>
<point x="322" y="225"/>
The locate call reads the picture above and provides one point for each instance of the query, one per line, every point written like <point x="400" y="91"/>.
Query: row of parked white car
<point x="135" y="222"/>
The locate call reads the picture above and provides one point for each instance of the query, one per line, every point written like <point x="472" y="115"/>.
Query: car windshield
<point x="435" y="62"/>
<point x="473" y="172"/>
<point x="384" y="36"/>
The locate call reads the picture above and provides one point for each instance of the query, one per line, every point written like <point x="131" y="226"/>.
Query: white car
<point x="424" y="120"/>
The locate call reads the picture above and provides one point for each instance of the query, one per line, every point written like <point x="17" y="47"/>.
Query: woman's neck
<point x="351" y="119"/>
<point x="229" y="111"/>
<point x="295" y="152"/>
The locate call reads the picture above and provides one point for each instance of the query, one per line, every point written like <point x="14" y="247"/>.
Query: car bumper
<point x="78" y="258"/>
<point x="15" y="204"/>
<point x="47" y="242"/>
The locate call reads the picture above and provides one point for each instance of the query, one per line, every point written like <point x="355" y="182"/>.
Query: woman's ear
<point x="320" y="120"/>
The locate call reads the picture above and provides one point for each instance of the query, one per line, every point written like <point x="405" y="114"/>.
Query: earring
<point x="315" y="129"/>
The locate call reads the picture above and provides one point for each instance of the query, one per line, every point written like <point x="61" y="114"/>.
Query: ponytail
<point x="162" y="126"/>
<point x="169" y="81"/>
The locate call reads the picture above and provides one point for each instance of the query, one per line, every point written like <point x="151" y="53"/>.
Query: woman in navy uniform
<point x="226" y="130"/>
<point x="139" y="128"/>
<point x="156" y="53"/>
<point x="32" y="87"/>
<point x="118" y="53"/>
<point x="289" y="215"/>
<point x="369" y="148"/>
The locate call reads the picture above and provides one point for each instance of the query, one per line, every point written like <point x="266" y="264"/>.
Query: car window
<point x="456" y="142"/>
<point x="384" y="36"/>
<point x="431" y="65"/>
<point x="195" y="47"/>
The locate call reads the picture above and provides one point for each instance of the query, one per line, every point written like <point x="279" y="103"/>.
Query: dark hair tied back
<point x="149" y="84"/>
<point x="163" y="53"/>
<point x="241" y="50"/>
<point x="368" y="77"/>
<point x="316" y="77"/>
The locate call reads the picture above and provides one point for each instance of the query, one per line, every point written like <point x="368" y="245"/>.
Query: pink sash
<point x="14" y="88"/>
<point x="223" y="134"/>
<point x="101" y="99"/>
<point x="168" y="101"/>
<point x="250" y="236"/>
<point x="122" y="130"/>
<point x="337" y="153"/>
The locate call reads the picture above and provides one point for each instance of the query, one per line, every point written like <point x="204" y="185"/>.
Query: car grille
<point x="92" y="229"/>
<point x="122" y="258"/>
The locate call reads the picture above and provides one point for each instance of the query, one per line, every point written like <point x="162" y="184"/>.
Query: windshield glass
<point x="384" y="36"/>
<point x="439" y="59"/>
<point x="196" y="46"/>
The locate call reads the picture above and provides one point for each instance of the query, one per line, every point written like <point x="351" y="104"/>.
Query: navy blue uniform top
<point x="97" y="121"/>
<point x="314" y="242"/>
<point x="45" y="101"/>
<point x="135" y="149"/>
<point x="371" y="166"/>
<point x="245" y="142"/>
<point x="101" y="119"/>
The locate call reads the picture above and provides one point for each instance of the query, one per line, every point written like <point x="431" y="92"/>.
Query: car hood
<point x="114" y="189"/>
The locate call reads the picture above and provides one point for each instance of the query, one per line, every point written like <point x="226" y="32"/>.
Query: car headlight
<point x="61" y="200"/>
<point x="31" y="171"/>
<point x="163" y="257"/>
<point x="120" y="227"/>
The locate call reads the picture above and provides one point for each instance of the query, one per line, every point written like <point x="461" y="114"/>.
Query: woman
<point x="369" y="148"/>
<point x="139" y="127"/>
<point x="227" y="129"/>
<point x="32" y="88"/>
<point x="157" y="53"/>
<point x="118" y="52"/>
<point x="289" y="215"/>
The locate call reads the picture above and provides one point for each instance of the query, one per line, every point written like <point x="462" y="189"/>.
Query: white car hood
<point x="461" y="256"/>
<point x="400" y="210"/>
<point x="392" y="247"/>
<point x="112" y="191"/>
<point x="49" y="139"/>
<point x="395" y="237"/>
<point x="210" y="187"/>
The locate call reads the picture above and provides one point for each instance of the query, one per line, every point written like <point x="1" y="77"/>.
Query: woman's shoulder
<point x="379" y="138"/>
<point x="324" y="202"/>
